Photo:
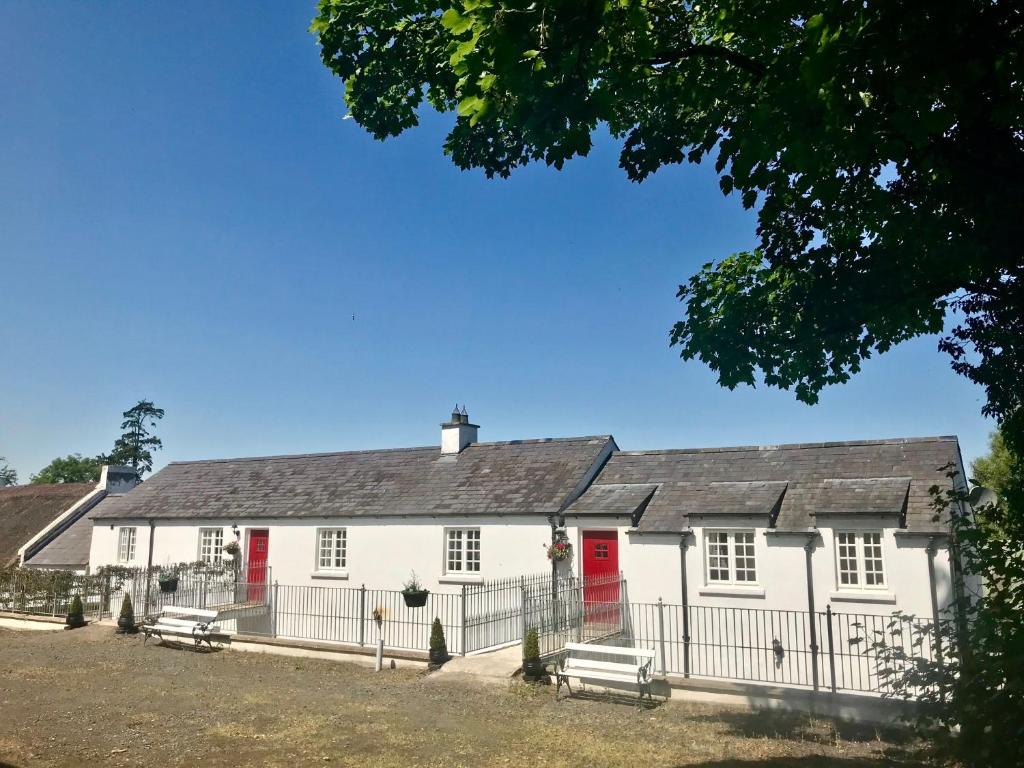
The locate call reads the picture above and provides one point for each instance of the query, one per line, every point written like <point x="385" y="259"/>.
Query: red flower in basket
<point x="560" y="550"/>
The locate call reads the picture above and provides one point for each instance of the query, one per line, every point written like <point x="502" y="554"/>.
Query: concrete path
<point x="495" y="666"/>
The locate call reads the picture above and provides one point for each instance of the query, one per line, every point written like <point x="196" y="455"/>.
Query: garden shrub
<point x="531" y="645"/>
<point x="437" y="641"/>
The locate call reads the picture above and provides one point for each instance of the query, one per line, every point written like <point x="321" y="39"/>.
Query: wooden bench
<point x="179" y="623"/>
<point x="633" y="669"/>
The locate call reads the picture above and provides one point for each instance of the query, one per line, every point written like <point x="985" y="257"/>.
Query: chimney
<point x="114" y="479"/>
<point x="457" y="433"/>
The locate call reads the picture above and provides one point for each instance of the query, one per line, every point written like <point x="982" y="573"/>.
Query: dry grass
<point x="73" y="698"/>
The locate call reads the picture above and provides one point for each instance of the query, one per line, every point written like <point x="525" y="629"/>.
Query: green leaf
<point x="455" y="22"/>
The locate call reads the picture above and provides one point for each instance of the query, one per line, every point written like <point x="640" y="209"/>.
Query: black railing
<point x="772" y="647"/>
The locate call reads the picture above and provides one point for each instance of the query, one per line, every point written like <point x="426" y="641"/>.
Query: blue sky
<point x="187" y="218"/>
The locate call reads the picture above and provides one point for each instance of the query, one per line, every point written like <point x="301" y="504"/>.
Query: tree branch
<point x="738" y="60"/>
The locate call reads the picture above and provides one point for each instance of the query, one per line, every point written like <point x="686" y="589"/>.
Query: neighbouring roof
<point x="525" y="477"/>
<point x="25" y="510"/>
<point x="790" y="485"/>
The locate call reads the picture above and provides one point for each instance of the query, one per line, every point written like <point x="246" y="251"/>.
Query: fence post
<point x="579" y="615"/>
<point x="362" y="614"/>
<point x="462" y="622"/>
<point x="522" y="635"/>
<point x="831" y="649"/>
<point x="202" y="591"/>
<point x="54" y="598"/>
<point x="273" y="613"/>
<point x="661" y="634"/>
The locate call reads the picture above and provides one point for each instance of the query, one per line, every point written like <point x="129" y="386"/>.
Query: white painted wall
<point x="381" y="553"/>
<point x="652" y="566"/>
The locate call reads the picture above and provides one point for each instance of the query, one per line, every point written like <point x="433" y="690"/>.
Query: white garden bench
<point x="179" y="623"/>
<point x="634" y="669"/>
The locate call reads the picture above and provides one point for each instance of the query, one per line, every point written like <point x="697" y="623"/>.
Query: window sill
<point x="458" y="578"/>
<point x="862" y="597"/>
<point x="340" y="575"/>
<point x="726" y="591"/>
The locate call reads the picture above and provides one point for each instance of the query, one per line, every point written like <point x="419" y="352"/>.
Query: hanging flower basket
<point x="413" y="593"/>
<point x="560" y="551"/>
<point x="168" y="582"/>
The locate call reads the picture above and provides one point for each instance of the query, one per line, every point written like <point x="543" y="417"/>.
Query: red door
<point x="256" y="572"/>
<point x="601" y="577"/>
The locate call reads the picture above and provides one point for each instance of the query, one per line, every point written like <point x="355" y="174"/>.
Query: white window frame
<point x="216" y="553"/>
<point x="332" y="554"/>
<point x="461" y="564"/>
<point x="127" y="536"/>
<point x="731" y="557"/>
<point x="860" y="559"/>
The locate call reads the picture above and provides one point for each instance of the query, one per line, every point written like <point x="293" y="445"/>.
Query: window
<point x="126" y="545"/>
<point x="462" y="553"/>
<point x="211" y="542"/>
<point x="730" y="557"/>
<point x="859" y="559"/>
<point x="330" y="549"/>
<point x="601" y="551"/>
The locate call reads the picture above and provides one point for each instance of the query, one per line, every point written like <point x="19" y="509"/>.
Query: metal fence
<point x="48" y="593"/>
<point x="823" y="650"/>
<point x="494" y="610"/>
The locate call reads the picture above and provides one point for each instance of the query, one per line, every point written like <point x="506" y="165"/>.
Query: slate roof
<point x="791" y="485"/>
<point x="524" y="477"/>
<point x="71" y="547"/>
<point x="26" y="509"/>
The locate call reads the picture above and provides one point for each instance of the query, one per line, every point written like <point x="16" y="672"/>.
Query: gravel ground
<point x="92" y="697"/>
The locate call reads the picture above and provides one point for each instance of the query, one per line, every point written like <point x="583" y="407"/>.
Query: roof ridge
<point x="780" y="446"/>
<point x="365" y="451"/>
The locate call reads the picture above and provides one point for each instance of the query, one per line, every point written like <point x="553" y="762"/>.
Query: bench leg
<point x="559" y="679"/>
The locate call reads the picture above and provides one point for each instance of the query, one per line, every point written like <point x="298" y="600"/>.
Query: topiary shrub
<point x="126" y="621"/>
<point x="438" y="646"/>
<point x="531" y="645"/>
<point x="76" y="614"/>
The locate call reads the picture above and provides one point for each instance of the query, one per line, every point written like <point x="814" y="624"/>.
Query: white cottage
<point x="792" y="527"/>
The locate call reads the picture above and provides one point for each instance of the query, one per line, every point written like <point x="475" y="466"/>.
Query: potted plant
<point x="533" y="667"/>
<point x="76" y="614"/>
<point x="413" y="593"/>
<point x="168" y="581"/>
<point x="231" y="550"/>
<point x="438" y="646"/>
<point x="126" y="621"/>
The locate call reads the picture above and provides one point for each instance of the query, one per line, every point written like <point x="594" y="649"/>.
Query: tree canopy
<point x="134" y="448"/>
<point x="882" y="145"/>
<point x="8" y="475"/>
<point x="995" y="469"/>
<point x="73" y="468"/>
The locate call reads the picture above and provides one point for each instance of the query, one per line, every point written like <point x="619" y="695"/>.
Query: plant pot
<point x="534" y="670"/>
<point x="74" y="622"/>
<point x="126" y="626"/>
<point x="416" y="598"/>
<point x="437" y="658"/>
<point x="169" y="585"/>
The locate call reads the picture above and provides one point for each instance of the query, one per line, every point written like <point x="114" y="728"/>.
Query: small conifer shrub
<point x="531" y="646"/>
<point x="76" y="613"/>
<point x="126" y="621"/>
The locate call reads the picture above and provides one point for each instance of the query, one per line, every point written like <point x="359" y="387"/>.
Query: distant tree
<point x="993" y="469"/>
<point x="74" y="468"/>
<point x="134" y="448"/>
<point x="8" y="475"/>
